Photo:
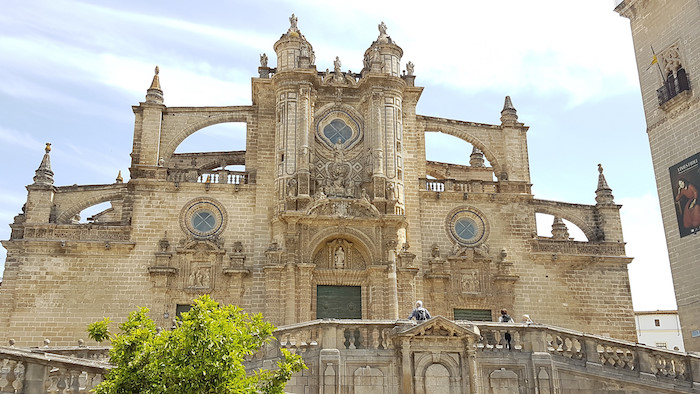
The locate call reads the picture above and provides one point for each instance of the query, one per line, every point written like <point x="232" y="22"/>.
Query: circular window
<point x="203" y="218"/>
<point x="337" y="131"/>
<point x="203" y="221"/>
<point x="466" y="229"/>
<point x="467" y="226"/>
<point x="337" y="126"/>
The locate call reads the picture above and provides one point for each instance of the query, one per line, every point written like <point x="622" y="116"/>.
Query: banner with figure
<point x="685" y="180"/>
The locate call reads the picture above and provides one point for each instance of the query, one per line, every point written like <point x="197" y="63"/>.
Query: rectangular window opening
<point x="473" y="314"/>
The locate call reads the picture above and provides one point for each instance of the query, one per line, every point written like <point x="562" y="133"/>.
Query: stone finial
<point x="47" y="342"/>
<point x="508" y="115"/>
<point x="81" y="342"/>
<point x="154" y="94"/>
<point x="603" y="194"/>
<point x="43" y="174"/>
<point x="156" y="81"/>
<point x="12" y="342"/>
<point x="476" y="159"/>
<point x="559" y="229"/>
<point x="119" y="177"/>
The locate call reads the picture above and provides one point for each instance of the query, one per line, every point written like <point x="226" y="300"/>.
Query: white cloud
<point x="507" y="46"/>
<point x="18" y="139"/>
<point x="650" y="273"/>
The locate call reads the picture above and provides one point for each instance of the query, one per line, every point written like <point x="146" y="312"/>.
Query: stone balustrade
<point x="320" y="342"/>
<point x="337" y="334"/>
<point x="79" y="232"/>
<point x="547" y="245"/>
<point x="223" y="176"/>
<point x="32" y="371"/>
<point x="609" y="353"/>
<point x="208" y="176"/>
<point x="453" y="185"/>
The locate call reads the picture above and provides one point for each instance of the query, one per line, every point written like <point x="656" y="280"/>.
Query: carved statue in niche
<point x="339" y="258"/>
<point x="292" y="187"/>
<point x="339" y="254"/>
<point x="390" y="191"/>
<point x="364" y="195"/>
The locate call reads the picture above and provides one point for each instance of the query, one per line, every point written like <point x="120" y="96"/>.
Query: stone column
<point x="406" y="369"/>
<point x="305" y="292"/>
<point x="290" y="296"/>
<point x="470" y="351"/>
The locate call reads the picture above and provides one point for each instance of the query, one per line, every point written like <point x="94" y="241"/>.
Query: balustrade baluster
<point x="346" y="337"/>
<point x="361" y="338"/>
<point x="385" y="338"/>
<point x="352" y="339"/>
<point x="62" y="381"/>
<point x="7" y="375"/>
<point x="74" y="386"/>
<point x="375" y="338"/>
<point x="89" y="384"/>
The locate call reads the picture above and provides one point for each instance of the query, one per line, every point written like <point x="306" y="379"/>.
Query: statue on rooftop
<point x="336" y="65"/>
<point x="409" y="68"/>
<point x="263" y="60"/>
<point x="382" y="29"/>
<point x="293" y="23"/>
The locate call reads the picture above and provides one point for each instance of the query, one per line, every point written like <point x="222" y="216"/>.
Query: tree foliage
<point x="204" y="353"/>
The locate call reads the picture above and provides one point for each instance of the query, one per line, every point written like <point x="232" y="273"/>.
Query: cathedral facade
<point x="337" y="214"/>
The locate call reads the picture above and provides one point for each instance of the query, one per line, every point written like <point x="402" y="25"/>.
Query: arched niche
<point x="576" y="226"/>
<point x="69" y="214"/>
<point x="362" y="248"/>
<point x="341" y="252"/>
<point x="195" y="121"/>
<point x="460" y="133"/>
<point x="220" y="146"/>
<point x="437" y="373"/>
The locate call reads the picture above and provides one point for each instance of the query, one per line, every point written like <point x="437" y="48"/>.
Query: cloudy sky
<point x="71" y="70"/>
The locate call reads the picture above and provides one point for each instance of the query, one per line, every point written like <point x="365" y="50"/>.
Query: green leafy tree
<point x="204" y="353"/>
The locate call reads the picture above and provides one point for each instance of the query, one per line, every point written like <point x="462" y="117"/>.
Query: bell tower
<point x="666" y="45"/>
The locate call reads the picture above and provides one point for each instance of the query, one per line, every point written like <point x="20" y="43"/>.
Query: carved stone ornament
<point x="343" y="208"/>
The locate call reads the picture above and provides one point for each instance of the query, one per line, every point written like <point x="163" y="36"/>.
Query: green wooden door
<point x="339" y="302"/>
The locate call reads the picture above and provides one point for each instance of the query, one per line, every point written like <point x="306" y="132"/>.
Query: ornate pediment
<point x="440" y="327"/>
<point x="343" y="208"/>
<point x="213" y="245"/>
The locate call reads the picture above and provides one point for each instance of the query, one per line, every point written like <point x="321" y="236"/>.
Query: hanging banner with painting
<point x="685" y="180"/>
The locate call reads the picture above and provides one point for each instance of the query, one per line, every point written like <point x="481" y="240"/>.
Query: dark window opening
<point x="657" y="323"/>
<point x="473" y="314"/>
<point x="182" y="308"/>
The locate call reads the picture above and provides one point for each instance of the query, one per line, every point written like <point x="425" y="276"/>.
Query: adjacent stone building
<point x="667" y="47"/>
<point x="337" y="214"/>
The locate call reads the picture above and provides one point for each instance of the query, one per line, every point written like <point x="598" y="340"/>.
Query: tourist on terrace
<point x="419" y="313"/>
